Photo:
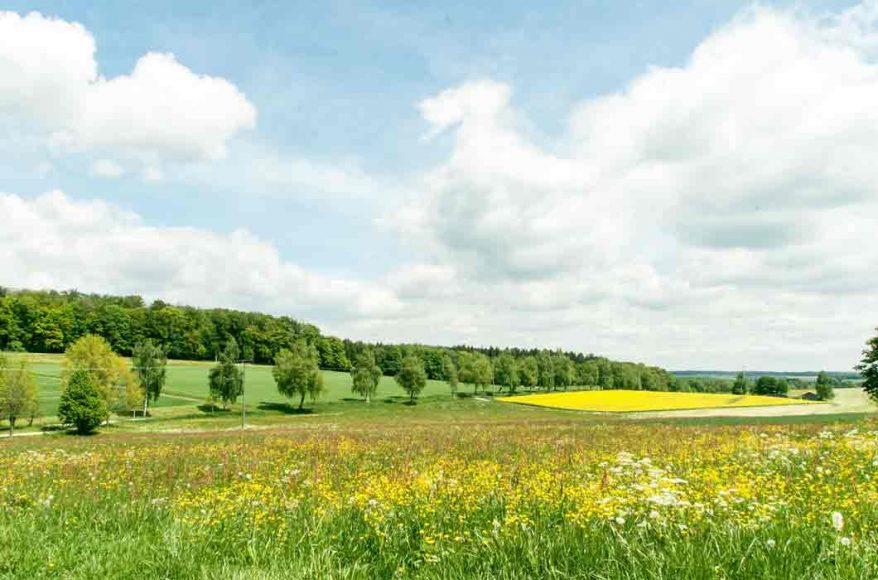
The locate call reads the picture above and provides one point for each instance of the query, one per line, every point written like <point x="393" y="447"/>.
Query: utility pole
<point x="243" y="388"/>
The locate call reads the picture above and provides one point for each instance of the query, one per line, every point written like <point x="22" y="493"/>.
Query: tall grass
<point x="560" y="500"/>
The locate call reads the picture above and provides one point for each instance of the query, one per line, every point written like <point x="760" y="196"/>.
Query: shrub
<point x="82" y="404"/>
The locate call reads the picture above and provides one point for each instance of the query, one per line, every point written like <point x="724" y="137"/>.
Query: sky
<point x="689" y="184"/>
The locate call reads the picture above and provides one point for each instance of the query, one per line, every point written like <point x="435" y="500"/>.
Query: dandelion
<point x="837" y="521"/>
<point x="770" y="543"/>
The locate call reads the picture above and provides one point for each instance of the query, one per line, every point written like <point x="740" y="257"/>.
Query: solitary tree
<point x="451" y="376"/>
<point x="18" y="394"/>
<point x="365" y="375"/>
<point x="226" y="379"/>
<point x="297" y="372"/>
<point x="739" y="387"/>
<point x="824" y="386"/>
<point x="506" y="372"/>
<point x="411" y="376"/>
<point x="82" y="404"/>
<point x="150" y="363"/>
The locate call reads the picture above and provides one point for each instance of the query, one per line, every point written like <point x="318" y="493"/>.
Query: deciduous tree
<point x="150" y="362"/>
<point x="506" y="372"/>
<point x="823" y="386"/>
<point x="226" y="380"/>
<point x="297" y="373"/>
<point x="528" y="372"/>
<point x="18" y="393"/>
<point x="771" y="386"/>
<point x="412" y="377"/>
<point x="451" y="374"/>
<point x="365" y="375"/>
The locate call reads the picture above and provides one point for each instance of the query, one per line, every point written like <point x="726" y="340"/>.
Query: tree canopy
<point x="296" y="373"/>
<point x="18" y="393"/>
<point x="412" y="377"/>
<point x="150" y="362"/>
<point x="365" y="375"/>
<point x="226" y="380"/>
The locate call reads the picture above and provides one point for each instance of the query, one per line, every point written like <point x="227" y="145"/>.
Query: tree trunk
<point x="302" y="401"/>
<point x="145" y="405"/>
<point x="11" y="426"/>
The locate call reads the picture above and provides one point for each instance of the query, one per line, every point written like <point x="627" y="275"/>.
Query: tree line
<point x="51" y="321"/>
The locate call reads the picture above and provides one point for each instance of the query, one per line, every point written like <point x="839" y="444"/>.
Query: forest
<point x="49" y="321"/>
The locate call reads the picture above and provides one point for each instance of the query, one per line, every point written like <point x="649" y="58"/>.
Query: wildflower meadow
<point x="510" y="500"/>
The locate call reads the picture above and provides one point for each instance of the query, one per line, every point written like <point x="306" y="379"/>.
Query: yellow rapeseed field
<point x="620" y="401"/>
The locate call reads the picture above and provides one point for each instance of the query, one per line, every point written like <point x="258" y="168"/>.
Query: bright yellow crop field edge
<point x="621" y="401"/>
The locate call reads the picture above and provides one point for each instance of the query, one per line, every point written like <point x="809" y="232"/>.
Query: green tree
<point x="389" y="358"/>
<point x="824" y="386"/>
<point x="365" y="375"/>
<point x="587" y="373"/>
<point x="546" y="371"/>
<point x="563" y="371"/>
<point x="451" y="376"/>
<point x="506" y="372"/>
<point x="18" y="393"/>
<point x="771" y="386"/>
<point x="740" y="385"/>
<point x="82" y="405"/>
<point x="411" y="376"/>
<point x="226" y="380"/>
<point x="297" y="372"/>
<point x="528" y="372"/>
<point x="150" y="362"/>
<point x="482" y="372"/>
<point x="107" y="371"/>
<point x="868" y="368"/>
<point x="605" y="375"/>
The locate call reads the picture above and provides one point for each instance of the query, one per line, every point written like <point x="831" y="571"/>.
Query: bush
<point x="82" y="404"/>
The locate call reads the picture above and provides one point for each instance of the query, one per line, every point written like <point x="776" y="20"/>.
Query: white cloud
<point x="53" y="241"/>
<point x="720" y="213"/>
<point x="161" y="112"/>
<point x="732" y="199"/>
<point x="107" y="168"/>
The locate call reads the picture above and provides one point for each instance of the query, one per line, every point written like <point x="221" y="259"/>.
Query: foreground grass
<point x="451" y="497"/>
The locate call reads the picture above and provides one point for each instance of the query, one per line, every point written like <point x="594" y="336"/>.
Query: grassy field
<point x="618" y="401"/>
<point x="187" y="382"/>
<point x="448" y="488"/>
<point x="492" y="498"/>
<point x="181" y="407"/>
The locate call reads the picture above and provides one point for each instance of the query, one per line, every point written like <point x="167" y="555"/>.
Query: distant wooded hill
<point x="49" y="321"/>
<point x="804" y="375"/>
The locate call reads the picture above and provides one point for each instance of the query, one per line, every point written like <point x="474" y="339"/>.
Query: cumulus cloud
<point x="738" y="186"/>
<point x="162" y="111"/>
<point x="53" y="241"/>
